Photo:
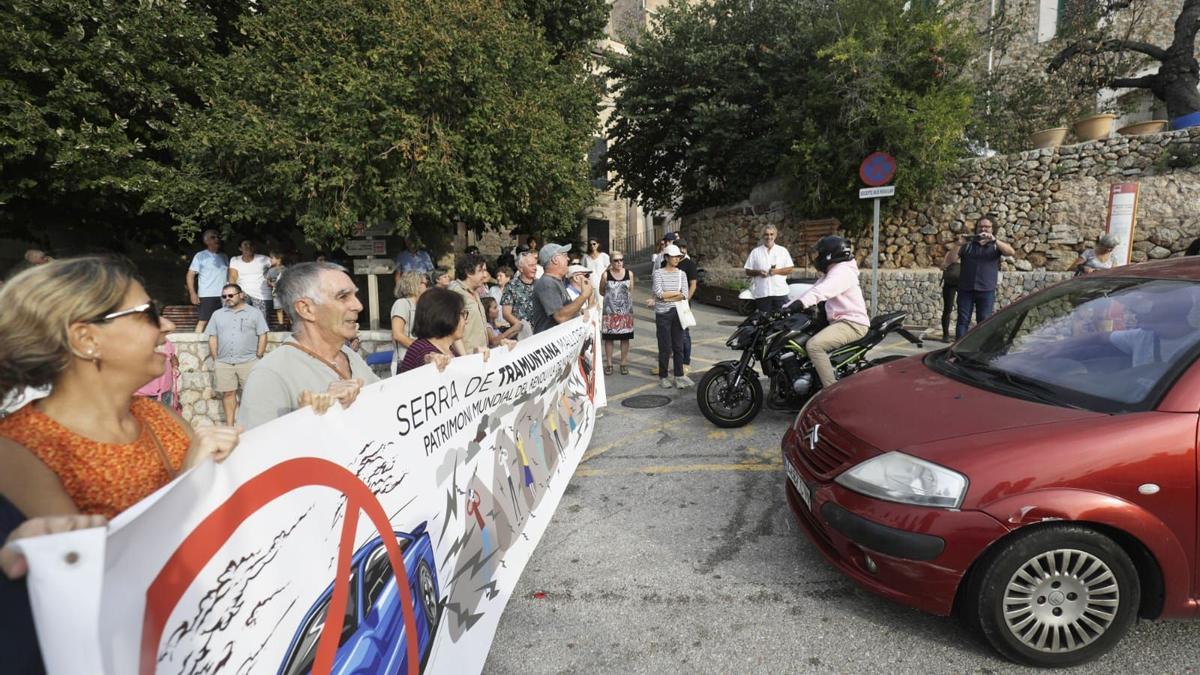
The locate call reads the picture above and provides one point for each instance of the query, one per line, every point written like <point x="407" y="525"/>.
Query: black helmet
<point x="832" y="249"/>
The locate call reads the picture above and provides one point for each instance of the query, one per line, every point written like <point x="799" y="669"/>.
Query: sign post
<point x="370" y="247"/>
<point x="877" y="171"/>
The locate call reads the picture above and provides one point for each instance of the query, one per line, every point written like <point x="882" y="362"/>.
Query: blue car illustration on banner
<point x="373" y="639"/>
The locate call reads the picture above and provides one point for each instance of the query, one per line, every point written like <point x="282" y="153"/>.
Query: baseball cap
<point x="672" y="249"/>
<point x="576" y="269"/>
<point x="671" y="236"/>
<point x="549" y="251"/>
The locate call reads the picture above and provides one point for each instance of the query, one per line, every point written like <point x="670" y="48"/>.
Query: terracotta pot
<point x="1143" y="128"/>
<point x="1048" y="138"/>
<point x="1095" y="127"/>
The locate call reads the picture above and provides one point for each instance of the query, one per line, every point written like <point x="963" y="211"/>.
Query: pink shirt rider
<point x="840" y="290"/>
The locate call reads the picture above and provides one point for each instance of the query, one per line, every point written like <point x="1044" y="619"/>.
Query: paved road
<point x="674" y="551"/>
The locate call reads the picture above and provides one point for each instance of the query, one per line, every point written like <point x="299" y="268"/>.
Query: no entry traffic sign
<point x="877" y="169"/>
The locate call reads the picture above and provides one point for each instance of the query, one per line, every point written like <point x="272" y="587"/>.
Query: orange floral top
<point x="103" y="478"/>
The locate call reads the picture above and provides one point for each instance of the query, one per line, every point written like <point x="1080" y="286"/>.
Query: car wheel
<point x="1057" y="596"/>
<point x="427" y="588"/>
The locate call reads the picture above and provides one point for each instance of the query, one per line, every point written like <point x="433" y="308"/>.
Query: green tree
<point x="570" y="27"/>
<point x="725" y="94"/>
<point x="89" y="93"/>
<point x="402" y="111"/>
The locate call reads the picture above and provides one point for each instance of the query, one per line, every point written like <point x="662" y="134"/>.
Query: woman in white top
<point x="1099" y="258"/>
<point x="249" y="270"/>
<point x="409" y="287"/>
<point x="670" y="286"/>
<point x="596" y="261"/>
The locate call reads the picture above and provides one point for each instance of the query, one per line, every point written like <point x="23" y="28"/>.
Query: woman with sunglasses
<point x="87" y="328"/>
<point x="596" y="261"/>
<point x="440" y="321"/>
<point x="616" y="287"/>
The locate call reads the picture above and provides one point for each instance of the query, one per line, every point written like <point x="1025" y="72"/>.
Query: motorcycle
<point x="730" y="394"/>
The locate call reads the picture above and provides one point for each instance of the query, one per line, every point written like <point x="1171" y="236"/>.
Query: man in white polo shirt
<point x="768" y="268"/>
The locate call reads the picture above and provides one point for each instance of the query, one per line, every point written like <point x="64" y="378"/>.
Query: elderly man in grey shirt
<point x="314" y="366"/>
<point x="237" y="338"/>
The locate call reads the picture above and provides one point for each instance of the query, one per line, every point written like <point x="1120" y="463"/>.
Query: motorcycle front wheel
<point x="724" y="406"/>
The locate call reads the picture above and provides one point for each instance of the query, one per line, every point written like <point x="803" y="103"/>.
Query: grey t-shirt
<point x="405" y="308"/>
<point x="549" y="296"/>
<point x="274" y="386"/>
<point x="237" y="332"/>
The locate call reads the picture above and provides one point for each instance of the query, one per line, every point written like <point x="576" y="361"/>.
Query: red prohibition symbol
<point x="877" y="169"/>
<point x="211" y="534"/>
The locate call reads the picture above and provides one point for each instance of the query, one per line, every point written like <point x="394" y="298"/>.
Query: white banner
<point x="384" y="538"/>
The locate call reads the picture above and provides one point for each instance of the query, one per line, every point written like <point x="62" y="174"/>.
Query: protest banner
<point x="382" y="538"/>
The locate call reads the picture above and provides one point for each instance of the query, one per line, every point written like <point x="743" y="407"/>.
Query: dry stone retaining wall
<point x="1050" y="204"/>
<point x="201" y="405"/>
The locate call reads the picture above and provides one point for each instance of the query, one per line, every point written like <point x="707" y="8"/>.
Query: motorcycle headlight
<point x="897" y="477"/>
<point x="740" y="338"/>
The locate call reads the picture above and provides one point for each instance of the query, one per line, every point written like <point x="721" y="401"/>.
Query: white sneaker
<point x="683" y="382"/>
<point x="664" y="383"/>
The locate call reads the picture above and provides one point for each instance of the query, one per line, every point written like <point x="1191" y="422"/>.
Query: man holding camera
<point x="980" y="272"/>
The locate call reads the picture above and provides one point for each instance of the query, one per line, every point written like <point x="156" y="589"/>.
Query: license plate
<point x="798" y="483"/>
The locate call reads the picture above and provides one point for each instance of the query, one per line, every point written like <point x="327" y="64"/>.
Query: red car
<point x="1039" y="476"/>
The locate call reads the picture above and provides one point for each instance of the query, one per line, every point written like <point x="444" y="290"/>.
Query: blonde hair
<point x="408" y="283"/>
<point x="42" y="302"/>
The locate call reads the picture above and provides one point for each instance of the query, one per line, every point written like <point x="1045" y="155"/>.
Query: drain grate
<point x="729" y="322"/>
<point x="646" y="401"/>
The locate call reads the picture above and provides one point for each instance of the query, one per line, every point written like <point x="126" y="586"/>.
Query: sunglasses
<point x="231" y="295"/>
<point x="148" y="309"/>
<point x="617" y="260"/>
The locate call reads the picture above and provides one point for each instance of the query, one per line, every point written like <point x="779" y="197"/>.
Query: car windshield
<point x="1107" y="344"/>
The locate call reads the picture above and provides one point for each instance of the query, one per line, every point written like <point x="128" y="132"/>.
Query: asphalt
<point x="674" y="551"/>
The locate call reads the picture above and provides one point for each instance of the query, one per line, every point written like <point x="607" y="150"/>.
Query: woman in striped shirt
<point x="670" y="286"/>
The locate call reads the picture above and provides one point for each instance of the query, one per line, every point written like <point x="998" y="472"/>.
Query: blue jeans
<point x="981" y="303"/>
<point x="687" y="346"/>
<point x="670" y="342"/>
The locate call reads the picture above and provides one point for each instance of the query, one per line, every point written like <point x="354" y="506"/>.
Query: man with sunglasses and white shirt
<point x="237" y="339"/>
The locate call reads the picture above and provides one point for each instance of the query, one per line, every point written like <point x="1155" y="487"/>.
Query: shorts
<point x="232" y="376"/>
<point x="264" y="306"/>
<point x="207" y="307"/>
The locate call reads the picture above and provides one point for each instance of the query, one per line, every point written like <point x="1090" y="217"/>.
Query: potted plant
<point x="1094" y="127"/>
<point x="1142" y="128"/>
<point x="1048" y="138"/>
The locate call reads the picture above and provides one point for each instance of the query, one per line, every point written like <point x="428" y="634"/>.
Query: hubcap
<point x="1061" y="600"/>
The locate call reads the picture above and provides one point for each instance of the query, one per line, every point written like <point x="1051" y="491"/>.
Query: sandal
<point x="608" y="370"/>
<point x="624" y="370"/>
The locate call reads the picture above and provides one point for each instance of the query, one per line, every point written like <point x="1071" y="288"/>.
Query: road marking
<point x="593" y="453"/>
<point x="682" y="468"/>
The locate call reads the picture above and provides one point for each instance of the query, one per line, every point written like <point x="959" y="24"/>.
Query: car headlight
<point x="897" y="477"/>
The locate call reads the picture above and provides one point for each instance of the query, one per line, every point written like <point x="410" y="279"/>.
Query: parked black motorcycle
<point x="730" y="394"/>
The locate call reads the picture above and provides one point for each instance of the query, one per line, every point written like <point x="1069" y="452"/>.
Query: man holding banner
<point x="313" y="367"/>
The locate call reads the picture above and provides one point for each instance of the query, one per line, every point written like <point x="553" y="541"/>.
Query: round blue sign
<point x="877" y="169"/>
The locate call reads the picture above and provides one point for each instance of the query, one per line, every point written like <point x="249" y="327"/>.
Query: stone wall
<point x="916" y="291"/>
<point x="201" y="405"/>
<point x="1051" y="204"/>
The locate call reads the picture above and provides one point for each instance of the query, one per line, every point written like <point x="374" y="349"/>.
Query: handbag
<point x="686" y="318"/>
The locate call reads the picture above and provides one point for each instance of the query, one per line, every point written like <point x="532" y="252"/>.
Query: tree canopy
<point x="725" y="94"/>
<point x="268" y="117"/>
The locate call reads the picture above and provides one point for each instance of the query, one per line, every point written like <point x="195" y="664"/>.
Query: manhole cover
<point x="646" y="401"/>
<point x="729" y="322"/>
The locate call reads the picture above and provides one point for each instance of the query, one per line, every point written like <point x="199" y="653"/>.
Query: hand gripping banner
<point x="383" y="538"/>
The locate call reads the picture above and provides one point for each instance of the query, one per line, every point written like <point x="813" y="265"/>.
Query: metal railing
<point x="638" y="246"/>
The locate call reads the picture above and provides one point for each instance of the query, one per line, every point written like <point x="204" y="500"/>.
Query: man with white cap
<point x="551" y="303"/>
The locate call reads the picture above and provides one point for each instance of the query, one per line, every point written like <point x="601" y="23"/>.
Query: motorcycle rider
<point x="845" y="308"/>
